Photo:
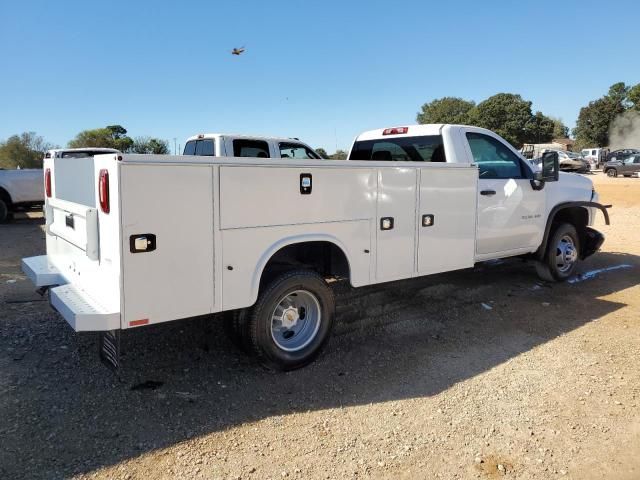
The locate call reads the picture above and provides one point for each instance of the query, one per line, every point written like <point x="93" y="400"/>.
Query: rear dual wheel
<point x="289" y="324"/>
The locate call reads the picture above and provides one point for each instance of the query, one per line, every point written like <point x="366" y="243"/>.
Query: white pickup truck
<point x="19" y="189"/>
<point x="263" y="236"/>
<point x="225" y="145"/>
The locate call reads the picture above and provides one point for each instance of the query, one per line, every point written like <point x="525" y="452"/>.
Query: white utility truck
<point x="225" y="145"/>
<point x="262" y="236"/>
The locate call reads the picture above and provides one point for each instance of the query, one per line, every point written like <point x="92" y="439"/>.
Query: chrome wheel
<point x="566" y="254"/>
<point x="295" y="321"/>
<point x="612" y="172"/>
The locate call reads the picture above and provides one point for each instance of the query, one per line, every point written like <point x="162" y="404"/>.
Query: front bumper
<point x="78" y="308"/>
<point x="592" y="241"/>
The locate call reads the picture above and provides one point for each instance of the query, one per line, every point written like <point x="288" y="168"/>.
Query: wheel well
<point x="5" y="197"/>
<point x="324" y="257"/>
<point x="576" y="216"/>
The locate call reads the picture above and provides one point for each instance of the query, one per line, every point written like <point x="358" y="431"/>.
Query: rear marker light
<point x="47" y="182"/>
<point x="395" y="131"/>
<point x="137" y="323"/>
<point x="103" y="190"/>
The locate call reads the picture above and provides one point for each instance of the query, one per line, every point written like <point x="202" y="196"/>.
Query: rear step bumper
<point x="76" y="306"/>
<point x="41" y="272"/>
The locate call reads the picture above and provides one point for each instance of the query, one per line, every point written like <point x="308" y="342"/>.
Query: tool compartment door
<point x="172" y="207"/>
<point x="446" y="240"/>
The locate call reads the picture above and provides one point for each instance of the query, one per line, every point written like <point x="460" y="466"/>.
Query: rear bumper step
<point x="79" y="310"/>
<point x="41" y="272"/>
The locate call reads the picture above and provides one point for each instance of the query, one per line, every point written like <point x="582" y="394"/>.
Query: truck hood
<point x="571" y="187"/>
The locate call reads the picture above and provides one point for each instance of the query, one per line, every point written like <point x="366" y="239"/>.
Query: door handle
<point x="386" y="223"/>
<point x="142" y="242"/>
<point x="488" y="192"/>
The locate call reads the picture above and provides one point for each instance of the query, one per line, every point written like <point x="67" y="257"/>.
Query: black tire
<point x="260" y="340"/>
<point x="549" y="269"/>
<point x="235" y="327"/>
<point x="4" y="211"/>
<point x="611" y="172"/>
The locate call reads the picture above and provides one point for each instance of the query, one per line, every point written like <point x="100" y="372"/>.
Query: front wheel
<point x="291" y="321"/>
<point x="562" y="254"/>
<point x="612" y="172"/>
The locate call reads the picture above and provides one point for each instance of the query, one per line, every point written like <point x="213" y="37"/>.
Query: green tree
<point x="446" y="110"/>
<point x="560" y="130"/>
<point x="150" y="145"/>
<point x="339" y="155"/>
<point x="539" y="129"/>
<point x="507" y="114"/>
<point x="594" y="120"/>
<point x="112" y="136"/>
<point x="322" y="152"/>
<point x="25" y="151"/>
<point x="634" y="97"/>
<point x="618" y="93"/>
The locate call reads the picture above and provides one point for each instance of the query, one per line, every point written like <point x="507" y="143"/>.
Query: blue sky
<point x="319" y="70"/>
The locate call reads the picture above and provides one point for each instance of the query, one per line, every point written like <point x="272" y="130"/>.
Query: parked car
<point x="572" y="162"/>
<point x="264" y="239"/>
<point x="621" y="154"/>
<point x="224" y="145"/>
<point x="595" y="156"/>
<point x="627" y="167"/>
<point x="20" y="190"/>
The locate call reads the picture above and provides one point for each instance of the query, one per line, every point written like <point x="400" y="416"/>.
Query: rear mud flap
<point x="110" y="349"/>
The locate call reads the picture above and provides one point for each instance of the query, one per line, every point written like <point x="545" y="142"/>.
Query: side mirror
<point x="550" y="167"/>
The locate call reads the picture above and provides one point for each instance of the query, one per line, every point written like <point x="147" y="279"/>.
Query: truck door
<point x="510" y="211"/>
<point x="396" y="223"/>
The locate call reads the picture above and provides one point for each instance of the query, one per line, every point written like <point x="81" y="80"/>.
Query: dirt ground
<point x="420" y="380"/>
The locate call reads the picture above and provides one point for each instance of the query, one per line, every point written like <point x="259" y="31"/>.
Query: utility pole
<point x="175" y="148"/>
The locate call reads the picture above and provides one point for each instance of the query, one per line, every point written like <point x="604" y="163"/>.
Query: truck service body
<point x="261" y="235"/>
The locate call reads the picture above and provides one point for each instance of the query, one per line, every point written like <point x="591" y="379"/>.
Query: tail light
<point x="395" y="131"/>
<point x="47" y="182"/>
<point x="103" y="190"/>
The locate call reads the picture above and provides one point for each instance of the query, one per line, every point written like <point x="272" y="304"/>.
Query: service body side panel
<point x="252" y="196"/>
<point x="247" y="250"/>
<point x="449" y="195"/>
<point x="174" y="203"/>
<point x="262" y="209"/>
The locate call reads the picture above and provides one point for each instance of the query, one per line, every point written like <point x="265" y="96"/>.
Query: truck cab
<point x="514" y="210"/>
<point x="225" y="145"/>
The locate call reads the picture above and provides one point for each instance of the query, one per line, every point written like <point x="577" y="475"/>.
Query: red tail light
<point x="47" y="182"/>
<point x="103" y="190"/>
<point x="395" y="131"/>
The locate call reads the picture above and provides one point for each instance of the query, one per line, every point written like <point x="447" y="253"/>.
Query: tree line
<point x="27" y="149"/>
<point x="612" y="116"/>
<point x="510" y="116"/>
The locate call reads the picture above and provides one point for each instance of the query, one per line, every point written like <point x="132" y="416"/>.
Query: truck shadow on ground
<point x="64" y="413"/>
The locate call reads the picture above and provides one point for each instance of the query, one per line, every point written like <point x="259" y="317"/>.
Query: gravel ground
<point x="483" y="373"/>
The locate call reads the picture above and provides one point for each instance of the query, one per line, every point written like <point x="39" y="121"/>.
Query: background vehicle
<point x="628" y="166"/>
<point x="572" y="162"/>
<point x="224" y="145"/>
<point x="19" y="190"/>
<point x="264" y="239"/>
<point x="621" y="154"/>
<point x="595" y="156"/>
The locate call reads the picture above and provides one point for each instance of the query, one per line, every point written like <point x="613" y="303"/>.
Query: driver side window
<point x="494" y="159"/>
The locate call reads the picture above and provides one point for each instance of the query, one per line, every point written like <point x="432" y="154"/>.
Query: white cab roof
<point x="413" y="131"/>
<point x="235" y="135"/>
